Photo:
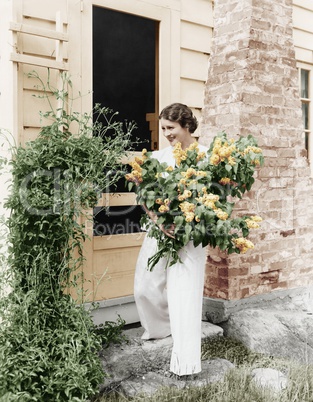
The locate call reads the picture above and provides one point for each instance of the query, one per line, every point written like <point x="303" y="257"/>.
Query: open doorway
<point x="125" y="79"/>
<point x="125" y="70"/>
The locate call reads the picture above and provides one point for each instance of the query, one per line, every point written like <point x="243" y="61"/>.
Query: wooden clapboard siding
<point x="195" y="47"/>
<point x="198" y="12"/>
<point x="112" y="276"/>
<point x="188" y="69"/>
<point x="196" y="37"/>
<point x="40" y="31"/>
<point x="303" y="30"/>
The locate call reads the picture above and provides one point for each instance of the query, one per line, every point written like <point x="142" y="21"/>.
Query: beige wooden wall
<point x="303" y="30"/>
<point x="196" y="19"/>
<point x="40" y="41"/>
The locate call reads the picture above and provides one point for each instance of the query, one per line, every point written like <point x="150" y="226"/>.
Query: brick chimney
<point x="252" y="87"/>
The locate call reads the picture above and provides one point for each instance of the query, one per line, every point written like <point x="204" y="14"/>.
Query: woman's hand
<point x="168" y="231"/>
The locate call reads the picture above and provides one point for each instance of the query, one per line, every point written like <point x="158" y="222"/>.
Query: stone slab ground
<point x="143" y="366"/>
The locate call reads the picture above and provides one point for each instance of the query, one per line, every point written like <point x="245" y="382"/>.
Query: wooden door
<point x="111" y="256"/>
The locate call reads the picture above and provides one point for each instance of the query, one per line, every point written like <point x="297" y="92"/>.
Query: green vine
<point x="48" y="343"/>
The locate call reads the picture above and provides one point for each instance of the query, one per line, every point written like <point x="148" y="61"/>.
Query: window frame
<point x="309" y="102"/>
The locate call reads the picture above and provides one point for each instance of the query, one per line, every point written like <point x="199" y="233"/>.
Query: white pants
<point x="170" y="302"/>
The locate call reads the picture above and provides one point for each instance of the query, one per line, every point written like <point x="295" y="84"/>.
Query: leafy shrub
<point x="111" y="332"/>
<point x="48" y="343"/>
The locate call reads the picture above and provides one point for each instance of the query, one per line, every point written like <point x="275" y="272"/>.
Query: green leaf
<point x="228" y="167"/>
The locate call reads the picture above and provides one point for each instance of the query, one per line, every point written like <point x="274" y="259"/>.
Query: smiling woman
<point x="177" y="123"/>
<point x="169" y="301"/>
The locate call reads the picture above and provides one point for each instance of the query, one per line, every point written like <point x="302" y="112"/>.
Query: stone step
<point x="136" y="357"/>
<point x="134" y="335"/>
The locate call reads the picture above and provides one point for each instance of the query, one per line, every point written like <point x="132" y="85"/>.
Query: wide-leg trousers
<point x="169" y="301"/>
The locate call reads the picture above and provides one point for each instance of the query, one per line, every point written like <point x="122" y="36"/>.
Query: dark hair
<point x="181" y="114"/>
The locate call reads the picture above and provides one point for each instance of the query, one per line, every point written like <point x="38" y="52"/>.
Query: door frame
<point x="167" y="13"/>
<point x="168" y="16"/>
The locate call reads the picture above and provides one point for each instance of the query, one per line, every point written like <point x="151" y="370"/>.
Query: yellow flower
<point x="183" y="182"/>
<point x="187" y="206"/>
<point x="159" y="201"/>
<point x="167" y="201"/>
<point x="193" y="146"/>
<point x="215" y="159"/>
<point x="204" y="190"/>
<point x="129" y="177"/>
<point x="256" y="162"/>
<point x="252" y="224"/>
<point x="209" y="204"/>
<point x="243" y="244"/>
<point x="136" y="173"/>
<point x="221" y="214"/>
<point x="187" y="194"/>
<point x="201" y="155"/>
<point x="256" y="150"/>
<point x="224" y="180"/>
<point x="231" y="161"/>
<point x="197" y="219"/>
<point x="189" y="216"/>
<point x="163" y="208"/>
<point x="135" y="165"/>
<point x="190" y="172"/>
<point x="212" y="197"/>
<point x="225" y="152"/>
<point x="169" y="169"/>
<point x="179" y="154"/>
<point x="134" y="176"/>
<point x="139" y="160"/>
<point x="208" y="200"/>
<point x="201" y="173"/>
<point x="217" y="142"/>
<point x="144" y="151"/>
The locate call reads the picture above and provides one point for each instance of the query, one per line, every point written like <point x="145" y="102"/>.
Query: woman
<point x="169" y="301"/>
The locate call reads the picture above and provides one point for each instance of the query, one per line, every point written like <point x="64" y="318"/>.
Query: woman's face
<point x="175" y="133"/>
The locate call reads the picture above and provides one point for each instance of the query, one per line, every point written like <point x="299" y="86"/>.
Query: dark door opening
<point x="125" y="79"/>
<point x="125" y="70"/>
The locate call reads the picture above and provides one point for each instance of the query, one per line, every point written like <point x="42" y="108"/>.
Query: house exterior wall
<point x="253" y="87"/>
<point x="283" y="254"/>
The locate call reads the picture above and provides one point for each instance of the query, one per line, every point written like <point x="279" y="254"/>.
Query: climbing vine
<point x="48" y="343"/>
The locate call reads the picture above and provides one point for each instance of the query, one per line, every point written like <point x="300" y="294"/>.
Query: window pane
<point x="304" y="84"/>
<point x="305" y="115"/>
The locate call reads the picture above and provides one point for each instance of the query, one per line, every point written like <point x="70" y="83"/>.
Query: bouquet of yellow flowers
<point x="194" y="198"/>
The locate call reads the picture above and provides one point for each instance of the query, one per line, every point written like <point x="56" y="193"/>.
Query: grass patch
<point x="237" y="385"/>
<point x="237" y="353"/>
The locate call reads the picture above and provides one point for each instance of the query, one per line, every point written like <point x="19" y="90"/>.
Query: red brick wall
<point x="252" y="87"/>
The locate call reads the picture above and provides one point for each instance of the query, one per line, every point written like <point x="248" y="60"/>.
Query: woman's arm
<point x="154" y="218"/>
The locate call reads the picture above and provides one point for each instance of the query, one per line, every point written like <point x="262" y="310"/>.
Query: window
<point x="306" y="91"/>
<point x="305" y="74"/>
